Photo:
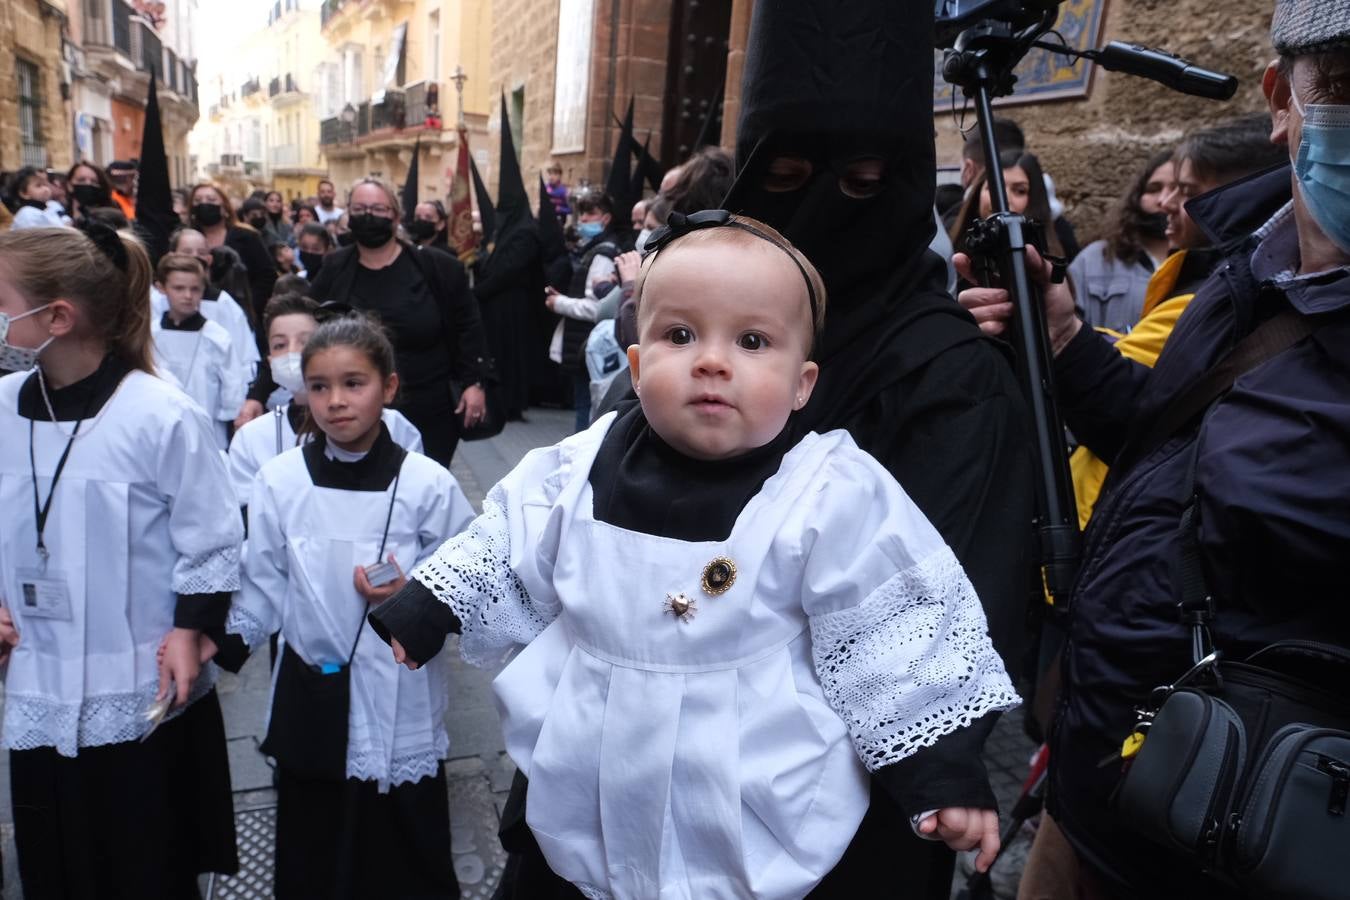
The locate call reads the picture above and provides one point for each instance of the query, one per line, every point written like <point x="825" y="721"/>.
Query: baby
<point x="722" y="629"/>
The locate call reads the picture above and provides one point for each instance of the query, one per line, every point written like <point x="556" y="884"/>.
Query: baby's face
<point x="724" y="329"/>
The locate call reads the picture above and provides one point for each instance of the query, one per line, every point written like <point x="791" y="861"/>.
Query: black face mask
<point x="89" y="196"/>
<point x="312" y="262"/>
<point x="346" y="239"/>
<point x="206" y="214"/>
<point x="258" y="222"/>
<point x="1153" y="225"/>
<point x="421" y="230"/>
<point x="370" y="230"/>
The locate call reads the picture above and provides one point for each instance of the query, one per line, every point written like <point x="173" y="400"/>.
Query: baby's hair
<point x="179" y="262"/>
<point x="47" y="264"/>
<point x="742" y="238"/>
<point x="290" y="284"/>
<point x="357" y="331"/>
<point x="292" y="304"/>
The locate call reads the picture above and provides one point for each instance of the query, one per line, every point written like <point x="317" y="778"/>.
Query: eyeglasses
<point x="379" y="209"/>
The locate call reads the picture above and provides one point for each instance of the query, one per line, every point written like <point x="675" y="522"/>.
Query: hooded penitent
<point x="903" y="368"/>
<point x="487" y="216"/>
<point x="410" y="187"/>
<point x="155" y="218"/>
<point x="509" y="284"/>
<point x="621" y="186"/>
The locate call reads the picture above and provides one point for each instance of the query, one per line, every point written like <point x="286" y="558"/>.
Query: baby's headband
<point x="109" y="243"/>
<point x="678" y="225"/>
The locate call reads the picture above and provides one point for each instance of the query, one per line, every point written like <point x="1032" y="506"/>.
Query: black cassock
<point x="509" y="285"/>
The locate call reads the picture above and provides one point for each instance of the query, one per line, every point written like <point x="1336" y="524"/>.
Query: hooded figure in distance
<point x="835" y="149"/>
<point x="509" y="281"/>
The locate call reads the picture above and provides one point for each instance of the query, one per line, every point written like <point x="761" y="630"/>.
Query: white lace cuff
<point x="911" y="663"/>
<point x="212" y="572"/>
<point x="247" y="626"/>
<point x="472" y="574"/>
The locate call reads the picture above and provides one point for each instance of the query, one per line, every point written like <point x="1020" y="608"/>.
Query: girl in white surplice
<point x="120" y="539"/>
<point x="358" y="740"/>
<point x="720" y="630"/>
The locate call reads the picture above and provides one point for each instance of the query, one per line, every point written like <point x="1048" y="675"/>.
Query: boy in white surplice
<point x="723" y="631"/>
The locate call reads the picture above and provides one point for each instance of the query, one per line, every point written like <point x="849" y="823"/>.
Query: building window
<point x="433" y="46"/>
<point x="30" y="114"/>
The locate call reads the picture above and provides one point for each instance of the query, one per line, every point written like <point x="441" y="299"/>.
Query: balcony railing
<point x="335" y="131"/>
<point x="121" y="27"/>
<point x="411" y="107"/>
<point x="249" y="88"/>
<point x="329" y="9"/>
<point x="274" y="87"/>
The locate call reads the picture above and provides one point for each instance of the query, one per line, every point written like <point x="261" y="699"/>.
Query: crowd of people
<point x="760" y="613"/>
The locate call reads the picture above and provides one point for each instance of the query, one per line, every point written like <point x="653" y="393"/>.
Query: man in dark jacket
<point x="1271" y="456"/>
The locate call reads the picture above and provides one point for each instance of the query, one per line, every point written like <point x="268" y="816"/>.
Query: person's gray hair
<point x="1301" y="27"/>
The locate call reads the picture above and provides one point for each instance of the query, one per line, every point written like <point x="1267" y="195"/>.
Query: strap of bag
<point x="1277" y="334"/>
<point x="1273" y="336"/>
<point x="388" y="517"/>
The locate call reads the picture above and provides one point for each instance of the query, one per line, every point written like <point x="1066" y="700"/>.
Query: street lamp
<point x="348" y="116"/>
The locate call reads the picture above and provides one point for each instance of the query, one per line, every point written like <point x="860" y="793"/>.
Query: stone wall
<point x="27" y="33"/>
<point x="1094" y="146"/>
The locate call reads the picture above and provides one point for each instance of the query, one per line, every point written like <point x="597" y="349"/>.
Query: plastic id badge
<point x="380" y="574"/>
<point x="43" y="595"/>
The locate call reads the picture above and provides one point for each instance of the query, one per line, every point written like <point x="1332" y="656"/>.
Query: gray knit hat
<point x="1310" y="26"/>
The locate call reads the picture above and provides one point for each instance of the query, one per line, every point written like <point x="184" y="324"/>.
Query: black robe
<point x="509" y="286"/>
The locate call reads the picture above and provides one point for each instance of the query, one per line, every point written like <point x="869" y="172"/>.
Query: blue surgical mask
<point x="19" y="359"/>
<point x="1323" y="167"/>
<point x="589" y="231"/>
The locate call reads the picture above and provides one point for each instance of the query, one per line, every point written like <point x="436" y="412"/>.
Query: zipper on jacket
<point x="1340" y="783"/>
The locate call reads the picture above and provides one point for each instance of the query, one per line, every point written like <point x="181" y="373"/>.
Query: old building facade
<point x="35" y="109"/>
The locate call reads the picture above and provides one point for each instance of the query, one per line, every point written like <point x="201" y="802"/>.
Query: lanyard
<point x="389" y="517"/>
<point x="41" y="510"/>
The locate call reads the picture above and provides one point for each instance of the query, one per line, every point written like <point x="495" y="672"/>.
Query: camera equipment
<point x="984" y="41"/>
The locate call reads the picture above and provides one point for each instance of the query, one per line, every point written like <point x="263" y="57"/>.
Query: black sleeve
<point x="201" y="612"/>
<point x="322" y="285"/>
<point x="262" y="270"/>
<point x="949" y="773"/>
<point x="231" y="651"/>
<point x="263" y="385"/>
<point x="964" y="457"/>
<point x="463" y="325"/>
<point x="1098" y="389"/>
<point x="417" y="619"/>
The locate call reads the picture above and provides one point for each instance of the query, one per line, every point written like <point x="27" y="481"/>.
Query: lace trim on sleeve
<point x="249" y="627"/>
<point x="911" y="663"/>
<point x="472" y="574"/>
<point x="212" y="572"/>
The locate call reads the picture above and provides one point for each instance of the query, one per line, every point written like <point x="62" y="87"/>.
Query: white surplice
<point x="203" y="365"/>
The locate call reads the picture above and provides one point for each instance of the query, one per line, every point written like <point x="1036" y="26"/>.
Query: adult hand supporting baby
<point x="964" y="829"/>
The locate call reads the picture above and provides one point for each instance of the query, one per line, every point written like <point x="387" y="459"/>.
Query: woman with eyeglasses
<point x="423" y="300"/>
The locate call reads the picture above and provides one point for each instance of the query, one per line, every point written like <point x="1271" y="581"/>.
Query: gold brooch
<point x="718" y="576"/>
<point x="683" y="607"/>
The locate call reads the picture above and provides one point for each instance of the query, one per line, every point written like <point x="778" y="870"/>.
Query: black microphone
<point x="1177" y="73"/>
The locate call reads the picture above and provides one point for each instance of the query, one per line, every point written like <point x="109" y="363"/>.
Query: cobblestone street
<point x="478" y="773"/>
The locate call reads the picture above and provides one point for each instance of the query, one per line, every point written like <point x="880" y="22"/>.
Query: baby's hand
<point x="401" y="655"/>
<point x="964" y="829"/>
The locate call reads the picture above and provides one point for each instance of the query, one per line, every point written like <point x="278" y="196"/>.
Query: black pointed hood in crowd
<point x="648" y="168"/>
<point x="833" y="82"/>
<point x="155" y="218"/>
<point x="552" y="240"/>
<point x="513" y="204"/>
<point x="487" y="216"/>
<point x="411" y="187"/>
<point x="619" y="186"/>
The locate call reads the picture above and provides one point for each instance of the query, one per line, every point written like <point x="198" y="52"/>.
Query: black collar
<point x="194" y="322"/>
<point x="74" y="401"/>
<point x="373" y="472"/>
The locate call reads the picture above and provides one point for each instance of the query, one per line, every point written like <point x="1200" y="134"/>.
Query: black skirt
<point x="131" y="820"/>
<point x="344" y="839"/>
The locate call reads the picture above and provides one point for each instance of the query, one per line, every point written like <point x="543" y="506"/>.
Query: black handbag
<point x="311" y="705"/>
<point x="1243" y="767"/>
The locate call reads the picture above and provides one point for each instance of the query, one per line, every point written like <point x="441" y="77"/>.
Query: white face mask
<point x="286" y="373"/>
<point x="641" y="243"/>
<point x="19" y="359"/>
